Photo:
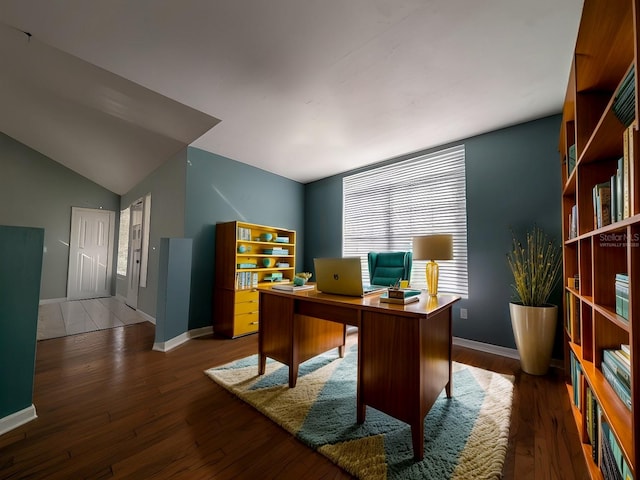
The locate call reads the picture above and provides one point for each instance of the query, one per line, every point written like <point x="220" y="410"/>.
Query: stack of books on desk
<point x="400" y="295"/>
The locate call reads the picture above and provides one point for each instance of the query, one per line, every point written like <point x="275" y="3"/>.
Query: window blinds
<point x="383" y="208"/>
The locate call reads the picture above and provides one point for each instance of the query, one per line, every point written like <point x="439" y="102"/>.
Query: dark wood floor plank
<point x="110" y="407"/>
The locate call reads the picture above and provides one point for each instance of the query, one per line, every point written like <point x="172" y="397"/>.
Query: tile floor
<point x="79" y="316"/>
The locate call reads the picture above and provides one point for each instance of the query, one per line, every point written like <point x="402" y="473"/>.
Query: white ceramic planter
<point x="534" y="329"/>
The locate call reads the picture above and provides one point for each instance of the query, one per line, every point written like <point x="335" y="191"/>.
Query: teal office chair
<point x="386" y="268"/>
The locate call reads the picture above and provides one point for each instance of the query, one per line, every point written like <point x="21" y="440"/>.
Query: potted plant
<point x="536" y="266"/>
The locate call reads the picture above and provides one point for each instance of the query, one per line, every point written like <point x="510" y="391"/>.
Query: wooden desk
<point x="404" y="351"/>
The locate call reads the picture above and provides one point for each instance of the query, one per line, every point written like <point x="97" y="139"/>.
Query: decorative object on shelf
<point x="432" y="248"/>
<point x="268" y="262"/>
<point x="244" y="248"/>
<point x="536" y="268"/>
<point x="301" y="278"/>
<point x="266" y="237"/>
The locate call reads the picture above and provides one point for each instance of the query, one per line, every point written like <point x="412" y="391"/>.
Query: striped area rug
<point x="465" y="436"/>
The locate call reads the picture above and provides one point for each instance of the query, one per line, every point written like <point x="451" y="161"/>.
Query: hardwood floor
<point x="110" y="407"/>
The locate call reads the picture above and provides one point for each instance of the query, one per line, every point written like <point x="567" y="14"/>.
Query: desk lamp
<point x="431" y="248"/>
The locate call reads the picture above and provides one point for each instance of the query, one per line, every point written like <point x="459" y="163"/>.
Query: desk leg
<point x="417" y="439"/>
<point x="262" y="363"/>
<point x="293" y="374"/>
<point x="361" y="407"/>
<point x="344" y="341"/>
<point x="448" y="388"/>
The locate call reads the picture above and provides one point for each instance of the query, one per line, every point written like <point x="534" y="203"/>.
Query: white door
<point x="90" y="253"/>
<point x="135" y="253"/>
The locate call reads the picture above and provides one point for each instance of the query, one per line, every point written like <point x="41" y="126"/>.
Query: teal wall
<point x="167" y="188"/>
<point x="221" y="190"/>
<point x="20" y="271"/>
<point x="174" y="288"/>
<point x="513" y="180"/>
<point x="35" y="191"/>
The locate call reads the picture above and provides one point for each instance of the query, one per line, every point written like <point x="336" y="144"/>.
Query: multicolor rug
<point x="465" y="436"/>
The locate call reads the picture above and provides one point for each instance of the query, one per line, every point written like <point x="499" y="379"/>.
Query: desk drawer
<point x="245" y="323"/>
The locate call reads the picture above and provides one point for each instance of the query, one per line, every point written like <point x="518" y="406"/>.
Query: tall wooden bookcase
<point x="248" y="255"/>
<point x="592" y="140"/>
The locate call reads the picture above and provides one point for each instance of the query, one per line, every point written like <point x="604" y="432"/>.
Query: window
<point x="142" y="222"/>
<point x="385" y="207"/>
<point x="123" y="243"/>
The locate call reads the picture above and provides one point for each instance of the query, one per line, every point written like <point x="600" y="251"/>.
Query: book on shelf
<point x="243" y="233"/>
<point x="602" y="204"/>
<point x="614" y="196"/>
<point x="276" y="251"/>
<point x="247" y="265"/>
<point x="592" y="411"/>
<point x="624" y="102"/>
<point x="246" y="280"/>
<point x="385" y="298"/>
<point x="619" y="190"/>
<point x="622" y="295"/>
<point x="273" y="277"/>
<point x="571" y="160"/>
<point x="292" y="288"/>
<point x="576" y="378"/>
<point x="573" y="222"/>
<point x="616" y="384"/>
<point x="627" y="171"/>
<point x="620" y="369"/>
<point x="573" y="318"/>
<point x="613" y="463"/>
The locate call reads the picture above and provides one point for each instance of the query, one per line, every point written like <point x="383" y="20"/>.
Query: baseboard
<point x="52" y="300"/>
<point x="17" y="419"/>
<point x="171" y="343"/>
<point x="200" y="332"/>
<point x="497" y="350"/>
<point x="147" y="317"/>
<point x="182" y="338"/>
<point x="487" y="348"/>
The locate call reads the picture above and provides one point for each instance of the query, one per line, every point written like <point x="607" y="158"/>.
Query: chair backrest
<point x="386" y="268"/>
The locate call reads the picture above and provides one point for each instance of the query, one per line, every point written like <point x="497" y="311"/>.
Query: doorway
<point x="90" y="253"/>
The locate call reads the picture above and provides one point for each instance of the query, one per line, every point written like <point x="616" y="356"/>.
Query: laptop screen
<point x="342" y="276"/>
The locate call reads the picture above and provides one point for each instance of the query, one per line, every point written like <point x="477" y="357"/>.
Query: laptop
<point x="342" y="276"/>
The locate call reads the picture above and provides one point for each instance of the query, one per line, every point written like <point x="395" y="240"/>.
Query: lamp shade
<point x="433" y="247"/>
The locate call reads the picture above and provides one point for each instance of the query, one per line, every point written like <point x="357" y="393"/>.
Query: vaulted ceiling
<point x="301" y="88"/>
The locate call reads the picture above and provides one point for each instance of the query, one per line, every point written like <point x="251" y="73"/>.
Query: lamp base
<point x="432" y="278"/>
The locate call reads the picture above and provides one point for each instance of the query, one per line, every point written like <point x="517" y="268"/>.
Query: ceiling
<point x="301" y="88"/>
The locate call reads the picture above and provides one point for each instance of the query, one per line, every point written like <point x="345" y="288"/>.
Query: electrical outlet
<point x="463" y="313"/>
